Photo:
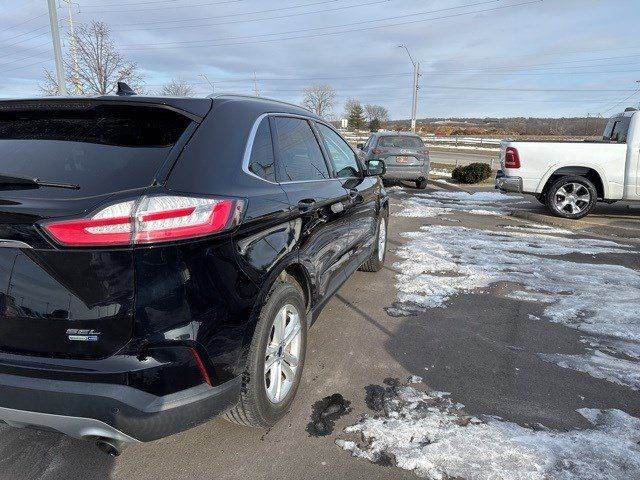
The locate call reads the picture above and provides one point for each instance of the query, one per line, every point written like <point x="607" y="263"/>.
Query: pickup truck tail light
<point x="512" y="158"/>
<point x="150" y="219"/>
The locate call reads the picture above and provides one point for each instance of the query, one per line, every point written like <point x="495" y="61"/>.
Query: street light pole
<point x="57" y="48"/>
<point x="213" y="87"/>
<point x="416" y="86"/>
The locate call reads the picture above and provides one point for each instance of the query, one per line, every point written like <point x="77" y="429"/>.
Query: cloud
<point x="541" y="45"/>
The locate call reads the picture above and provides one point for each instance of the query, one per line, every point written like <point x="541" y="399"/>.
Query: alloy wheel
<point x="572" y="198"/>
<point x="382" y="239"/>
<point x="282" y="355"/>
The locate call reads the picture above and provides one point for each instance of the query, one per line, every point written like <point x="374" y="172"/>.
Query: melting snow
<point x="600" y="365"/>
<point x="428" y="434"/>
<point x="440" y="203"/>
<point x="439" y="262"/>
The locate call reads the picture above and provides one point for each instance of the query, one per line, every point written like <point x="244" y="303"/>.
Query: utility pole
<point x="57" y="49"/>
<point x="74" y="48"/>
<point x="213" y="87"/>
<point x="416" y="86"/>
<point x="255" y="84"/>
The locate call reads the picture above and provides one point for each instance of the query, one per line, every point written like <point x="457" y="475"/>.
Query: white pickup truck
<point x="570" y="177"/>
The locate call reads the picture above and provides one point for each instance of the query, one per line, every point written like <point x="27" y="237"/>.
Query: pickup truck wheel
<point x="275" y="360"/>
<point x="376" y="260"/>
<point x="571" y="197"/>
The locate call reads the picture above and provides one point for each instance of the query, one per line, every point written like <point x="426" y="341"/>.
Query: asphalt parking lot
<point x="492" y="350"/>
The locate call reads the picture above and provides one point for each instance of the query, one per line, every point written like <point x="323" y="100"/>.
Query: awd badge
<point x="82" y="335"/>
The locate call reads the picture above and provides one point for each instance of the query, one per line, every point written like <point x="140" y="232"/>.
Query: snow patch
<point x="435" y="204"/>
<point x="428" y="434"/>
<point x="600" y="365"/>
<point x="440" y="262"/>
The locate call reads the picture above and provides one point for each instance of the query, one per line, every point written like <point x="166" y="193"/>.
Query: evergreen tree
<point x="355" y="114"/>
<point x="374" y="125"/>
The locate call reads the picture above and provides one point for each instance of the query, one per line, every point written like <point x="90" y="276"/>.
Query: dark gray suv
<point x="404" y="154"/>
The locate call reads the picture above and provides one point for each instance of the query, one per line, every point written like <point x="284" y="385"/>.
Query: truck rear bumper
<point x="117" y="412"/>
<point x="508" y="184"/>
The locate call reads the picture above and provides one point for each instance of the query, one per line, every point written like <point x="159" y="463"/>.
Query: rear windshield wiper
<point x="17" y="180"/>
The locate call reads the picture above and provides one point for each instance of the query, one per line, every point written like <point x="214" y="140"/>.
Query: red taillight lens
<point x="512" y="158"/>
<point x="377" y="150"/>
<point x="424" y="152"/>
<point x="153" y="219"/>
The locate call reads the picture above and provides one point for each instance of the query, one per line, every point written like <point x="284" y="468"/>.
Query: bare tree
<point x="99" y="65"/>
<point x="320" y="99"/>
<point x="372" y="112"/>
<point x="177" y="88"/>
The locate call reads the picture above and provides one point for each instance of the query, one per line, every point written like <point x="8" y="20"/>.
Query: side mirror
<point x="376" y="168"/>
<point x="360" y="146"/>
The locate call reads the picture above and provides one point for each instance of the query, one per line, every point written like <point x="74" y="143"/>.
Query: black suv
<point x="161" y="259"/>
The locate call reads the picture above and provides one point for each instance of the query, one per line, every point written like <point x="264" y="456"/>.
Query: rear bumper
<point x="409" y="172"/>
<point x="90" y="410"/>
<point x="508" y="184"/>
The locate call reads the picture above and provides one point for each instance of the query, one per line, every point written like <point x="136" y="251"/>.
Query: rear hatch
<point x="401" y="150"/>
<point x="61" y="159"/>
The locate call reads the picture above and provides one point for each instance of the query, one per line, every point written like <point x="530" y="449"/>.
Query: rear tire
<point x="421" y="183"/>
<point x="376" y="260"/>
<point x="571" y="197"/>
<point x="259" y="404"/>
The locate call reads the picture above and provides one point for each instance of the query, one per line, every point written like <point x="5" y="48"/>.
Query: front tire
<point x="421" y="183"/>
<point x="275" y="360"/>
<point x="376" y="260"/>
<point x="571" y="197"/>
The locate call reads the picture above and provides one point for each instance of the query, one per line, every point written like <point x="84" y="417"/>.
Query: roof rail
<point x="253" y="97"/>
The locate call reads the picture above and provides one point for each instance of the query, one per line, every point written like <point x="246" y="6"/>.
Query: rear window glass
<point x="102" y="149"/>
<point x="617" y="130"/>
<point x="400" y="142"/>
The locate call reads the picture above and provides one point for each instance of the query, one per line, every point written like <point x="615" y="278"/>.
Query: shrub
<point x="472" y="173"/>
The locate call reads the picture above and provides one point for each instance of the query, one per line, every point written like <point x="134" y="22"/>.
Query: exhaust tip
<point x="110" y="447"/>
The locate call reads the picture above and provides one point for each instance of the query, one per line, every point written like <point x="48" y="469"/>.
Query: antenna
<point x="255" y="85"/>
<point x="124" y="90"/>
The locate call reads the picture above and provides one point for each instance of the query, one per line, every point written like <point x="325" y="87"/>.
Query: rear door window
<point x="344" y="160"/>
<point x="101" y="148"/>
<point x="262" y="162"/>
<point x="299" y="155"/>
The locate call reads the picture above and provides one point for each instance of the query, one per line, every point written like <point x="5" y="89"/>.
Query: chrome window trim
<point x="246" y="159"/>
<point x="13" y="244"/>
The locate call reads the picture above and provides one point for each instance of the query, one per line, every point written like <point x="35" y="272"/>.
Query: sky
<point x="478" y="58"/>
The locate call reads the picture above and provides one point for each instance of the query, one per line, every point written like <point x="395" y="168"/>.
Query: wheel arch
<point x="590" y="173"/>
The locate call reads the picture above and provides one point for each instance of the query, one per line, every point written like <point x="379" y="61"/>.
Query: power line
<point x="269" y="10"/>
<point x="130" y="10"/>
<point x="278" y="17"/>
<point x="25" y="33"/>
<point x="164" y="44"/>
<point x="26" y="21"/>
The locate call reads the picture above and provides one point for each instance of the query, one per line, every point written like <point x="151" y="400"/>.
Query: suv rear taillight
<point x="378" y="150"/>
<point x="511" y="158"/>
<point x="150" y="219"/>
